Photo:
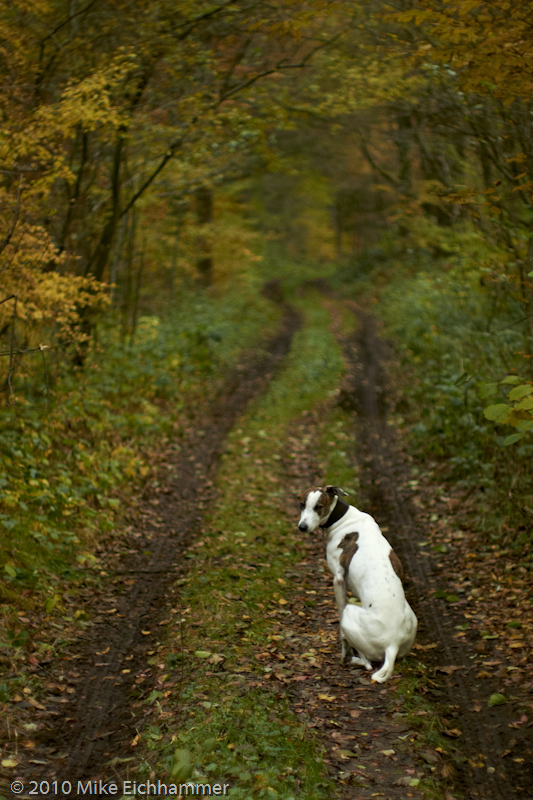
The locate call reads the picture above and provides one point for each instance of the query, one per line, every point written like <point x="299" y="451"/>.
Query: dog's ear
<point x="335" y="491"/>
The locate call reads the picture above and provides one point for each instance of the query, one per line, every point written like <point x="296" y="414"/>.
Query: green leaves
<point x="488" y="390"/>
<point x="497" y="699"/>
<point x="514" y="437"/>
<point x="518" y="413"/>
<point x="521" y="391"/>
<point x="183" y="765"/>
<point x="498" y="413"/>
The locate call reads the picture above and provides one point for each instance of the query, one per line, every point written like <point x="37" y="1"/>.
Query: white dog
<point x="384" y="625"/>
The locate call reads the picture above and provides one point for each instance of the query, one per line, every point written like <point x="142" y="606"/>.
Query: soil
<point x="372" y="745"/>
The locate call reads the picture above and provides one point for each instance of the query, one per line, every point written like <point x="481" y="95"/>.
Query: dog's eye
<point x="302" y="506"/>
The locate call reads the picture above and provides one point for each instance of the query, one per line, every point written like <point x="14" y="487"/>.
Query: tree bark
<point x="203" y="197"/>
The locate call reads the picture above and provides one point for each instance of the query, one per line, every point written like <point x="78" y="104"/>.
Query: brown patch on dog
<point x="307" y="492"/>
<point x="396" y="564"/>
<point x="324" y="501"/>
<point x="349" y="548"/>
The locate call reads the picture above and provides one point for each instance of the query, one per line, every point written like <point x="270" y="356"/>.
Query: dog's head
<point x="316" y="505"/>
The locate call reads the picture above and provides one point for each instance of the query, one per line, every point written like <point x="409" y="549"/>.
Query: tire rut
<point x="94" y="728"/>
<point x="382" y="473"/>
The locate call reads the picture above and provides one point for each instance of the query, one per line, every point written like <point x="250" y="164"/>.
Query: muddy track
<point x="485" y="731"/>
<point x="102" y="669"/>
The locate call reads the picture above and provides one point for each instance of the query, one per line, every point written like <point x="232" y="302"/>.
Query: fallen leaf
<point x="344" y="754"/>
<point x="328" y="697"/>
<point x="519" y="722"/>
<point x="405" y="781"/>
<point x="448" y="670"/>
<point x="35" y="704"/>
<point x="453" y="733"/>
<point x="497" y="699"/>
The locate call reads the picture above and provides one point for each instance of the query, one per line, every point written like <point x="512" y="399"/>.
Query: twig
<point x="42" y="348"/>
<point x="15" y="219"/>
<point x="11" y="348"/>
<point x="37" y="349"/>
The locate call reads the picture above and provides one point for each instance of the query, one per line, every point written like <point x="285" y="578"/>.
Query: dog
<point x="384" y="626"/>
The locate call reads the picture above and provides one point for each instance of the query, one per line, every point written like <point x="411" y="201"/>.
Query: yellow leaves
<point x="48" y="297"/>
<point x="493" y="47"/>
<point x="88" y="103"/>
<point x="407" y="17"/>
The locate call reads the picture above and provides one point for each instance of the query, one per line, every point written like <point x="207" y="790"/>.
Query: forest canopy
<point x="148" y="146"/>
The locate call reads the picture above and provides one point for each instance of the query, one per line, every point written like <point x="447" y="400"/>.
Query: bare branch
<point x="16" y="215"/>
<point x="384" y="174"/>
<point x="12" y="348"/>
<point x="42" y="348"/>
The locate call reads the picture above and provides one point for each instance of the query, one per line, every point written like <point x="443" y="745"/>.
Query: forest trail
<point x="372" y="744"/>
<point x="486" y="737"/>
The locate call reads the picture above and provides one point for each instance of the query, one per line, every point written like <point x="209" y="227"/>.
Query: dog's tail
<point x="387" y="669"/>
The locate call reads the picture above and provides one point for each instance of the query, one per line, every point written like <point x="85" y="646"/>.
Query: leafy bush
<point x="456" y="331"/>
<point x="65" y="470"/>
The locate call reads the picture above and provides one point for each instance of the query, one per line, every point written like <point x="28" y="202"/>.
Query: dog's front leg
<point x="339" y="587"/>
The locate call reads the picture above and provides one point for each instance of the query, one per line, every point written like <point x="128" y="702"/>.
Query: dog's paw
<point x="380" y="676"/>
<point x="360" y="662"/>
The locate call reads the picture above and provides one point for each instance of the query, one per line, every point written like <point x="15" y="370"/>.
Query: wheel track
<point x="382" y="473"/>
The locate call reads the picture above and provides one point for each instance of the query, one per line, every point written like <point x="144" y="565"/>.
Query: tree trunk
<point x="404" y="136"/>
<point x="204" y="216"/>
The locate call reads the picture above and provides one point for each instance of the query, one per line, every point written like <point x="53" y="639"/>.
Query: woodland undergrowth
<point x="70" y="469"/>
<point x="460" y="355"/>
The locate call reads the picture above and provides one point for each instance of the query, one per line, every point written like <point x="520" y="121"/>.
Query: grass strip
<point x="236" y="725"/>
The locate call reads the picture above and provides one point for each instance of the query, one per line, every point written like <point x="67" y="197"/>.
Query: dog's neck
<point x="341" y="507"/>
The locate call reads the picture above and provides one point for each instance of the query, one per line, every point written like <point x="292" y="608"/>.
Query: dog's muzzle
<point x="303" y="526"/>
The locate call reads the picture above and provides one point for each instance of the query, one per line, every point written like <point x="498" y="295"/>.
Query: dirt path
<point x="87" y="719"/>
<point x="93" y="708"/>
<point x="486" y="736"/>
<point x="375" y="750"/>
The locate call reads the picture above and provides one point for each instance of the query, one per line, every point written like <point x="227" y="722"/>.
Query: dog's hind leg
<point x="339" y="587"/>
<point x="357" y="661"/>
<point x="387" y="669"/>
